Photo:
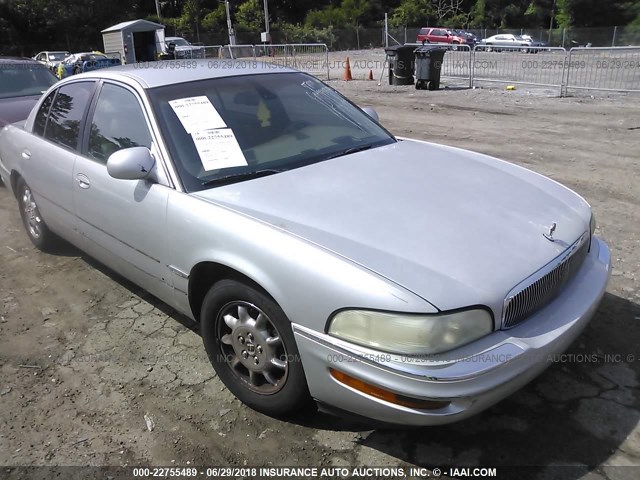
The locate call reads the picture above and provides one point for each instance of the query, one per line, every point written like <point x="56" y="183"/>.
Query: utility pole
<point x="232" y="33"/>
<point x="266" y="16"/>
<point x="553" y="11"/>
<point x="158" y="8"/>
<point x="266" y="36"/>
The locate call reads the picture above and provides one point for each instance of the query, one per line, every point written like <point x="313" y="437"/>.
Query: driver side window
<point x="118" y="123"/>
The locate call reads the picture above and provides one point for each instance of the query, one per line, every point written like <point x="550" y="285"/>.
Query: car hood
<point x="15" y="109"/>
<point x="455" y="227"/>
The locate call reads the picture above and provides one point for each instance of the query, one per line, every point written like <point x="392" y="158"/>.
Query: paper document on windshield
<point x="197" y="114"/>
<point x="218" y="149"/>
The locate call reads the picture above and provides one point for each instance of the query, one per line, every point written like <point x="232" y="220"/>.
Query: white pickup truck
<point x="182" y="48"/>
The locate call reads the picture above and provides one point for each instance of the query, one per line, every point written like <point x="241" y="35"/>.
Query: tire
<point x="34" y="224"/>
<point x="240" y="327"/>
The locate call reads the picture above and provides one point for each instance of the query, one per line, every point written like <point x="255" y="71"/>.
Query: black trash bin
<point x="428" y="63"/>
<point x="401" y="64"/>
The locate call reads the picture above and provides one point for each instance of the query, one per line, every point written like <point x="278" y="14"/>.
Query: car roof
<point x="18" y="60"/>
<point x="159" y="74"/>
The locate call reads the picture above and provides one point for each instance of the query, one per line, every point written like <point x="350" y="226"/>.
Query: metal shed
<point x="135" y="41"/>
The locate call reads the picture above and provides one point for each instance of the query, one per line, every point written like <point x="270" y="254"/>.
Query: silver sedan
<point x="325" y="259"/>
<point x="510" y="41"/>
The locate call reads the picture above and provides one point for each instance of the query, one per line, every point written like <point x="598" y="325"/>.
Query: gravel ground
<point x="85" y="356"/>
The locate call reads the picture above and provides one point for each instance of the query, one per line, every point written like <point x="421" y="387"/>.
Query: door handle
<point x="83" y="181"/>
<point x="26" y="154"/>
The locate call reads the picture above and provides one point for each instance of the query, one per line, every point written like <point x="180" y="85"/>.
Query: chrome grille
<point x="540" y="289"/>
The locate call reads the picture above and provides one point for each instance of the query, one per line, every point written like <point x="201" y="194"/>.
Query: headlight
<point x="411" y="334"/>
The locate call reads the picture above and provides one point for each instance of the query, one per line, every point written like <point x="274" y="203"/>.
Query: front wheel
<point x="251" y="346"/>
<point x="34" y="224"/>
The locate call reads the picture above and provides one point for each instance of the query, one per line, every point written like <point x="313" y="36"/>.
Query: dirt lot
<point x="85" y="355"/>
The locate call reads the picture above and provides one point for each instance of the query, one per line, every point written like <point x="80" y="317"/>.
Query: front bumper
<point x="471" y="378"/>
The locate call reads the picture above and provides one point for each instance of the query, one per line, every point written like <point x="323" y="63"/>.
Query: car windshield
<point x="178" y="42"/>
<point x="57" y="55"/>
<point x="22" y="80"/>
<point x="233" y="126"/>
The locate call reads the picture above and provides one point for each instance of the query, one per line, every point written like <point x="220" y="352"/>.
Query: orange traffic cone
<point x="347" y="71"/>
<point x="370" y="77"/>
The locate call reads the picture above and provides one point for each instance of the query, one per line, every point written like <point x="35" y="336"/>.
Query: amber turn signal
<point x="386" y="395"/>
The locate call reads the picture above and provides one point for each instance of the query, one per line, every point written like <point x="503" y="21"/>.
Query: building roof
<point x="135" y="26"/>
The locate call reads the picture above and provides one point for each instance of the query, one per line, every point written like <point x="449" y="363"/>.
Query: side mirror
<point x="135" y="163"/>
<point x="371" y="112"/>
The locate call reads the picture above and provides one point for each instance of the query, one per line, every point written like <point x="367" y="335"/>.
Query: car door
<point x="439" y="35"/>
<point x="123" y="221"/>
<point x="48" y="160"/>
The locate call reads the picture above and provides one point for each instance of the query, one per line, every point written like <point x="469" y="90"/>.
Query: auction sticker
<point x="218" y="149"/>
<point x="197" y="114"/>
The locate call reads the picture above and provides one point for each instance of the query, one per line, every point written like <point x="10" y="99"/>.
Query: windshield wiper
<point x="240" y="176"/>
<point x="349" y="151"/>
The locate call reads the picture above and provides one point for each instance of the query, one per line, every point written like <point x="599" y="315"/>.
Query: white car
<point x="51" y="59"/>
<point x="506" y="40"/>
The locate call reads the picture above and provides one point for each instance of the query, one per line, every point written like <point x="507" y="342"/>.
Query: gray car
<point x="394" y="279"/>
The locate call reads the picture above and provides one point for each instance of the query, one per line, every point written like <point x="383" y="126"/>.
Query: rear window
<point x="24" y="79"/>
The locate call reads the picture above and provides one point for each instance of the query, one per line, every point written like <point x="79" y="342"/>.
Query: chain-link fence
<point x="366" y="38"/>
<point x="556" y="37"/>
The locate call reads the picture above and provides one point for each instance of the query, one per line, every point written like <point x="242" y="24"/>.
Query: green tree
<point x="479" y="14"/>
<point x="411" y="12"/>
<point x="563" y="13"/>
<point x="250" y="16"/>
<point x="354" y="10"/>
<point x="328" y="16"/>
<point x="215" y="19"/>
<point x="190" y="19"/>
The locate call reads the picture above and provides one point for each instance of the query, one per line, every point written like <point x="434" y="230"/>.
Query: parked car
<point x="22" y="82"/>
<point x="182" y="49"/>
<point x="470" y="38"/>
<point x="439" y="35"/>
<point x="395" y="279"/>
<point x="51" y="59"/>
<point x="86" y="62"/>
<point x="539" y="45"/>
<point x="493" y="44"/>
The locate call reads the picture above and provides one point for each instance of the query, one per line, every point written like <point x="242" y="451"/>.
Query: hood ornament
<point x="549" y="235"/>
